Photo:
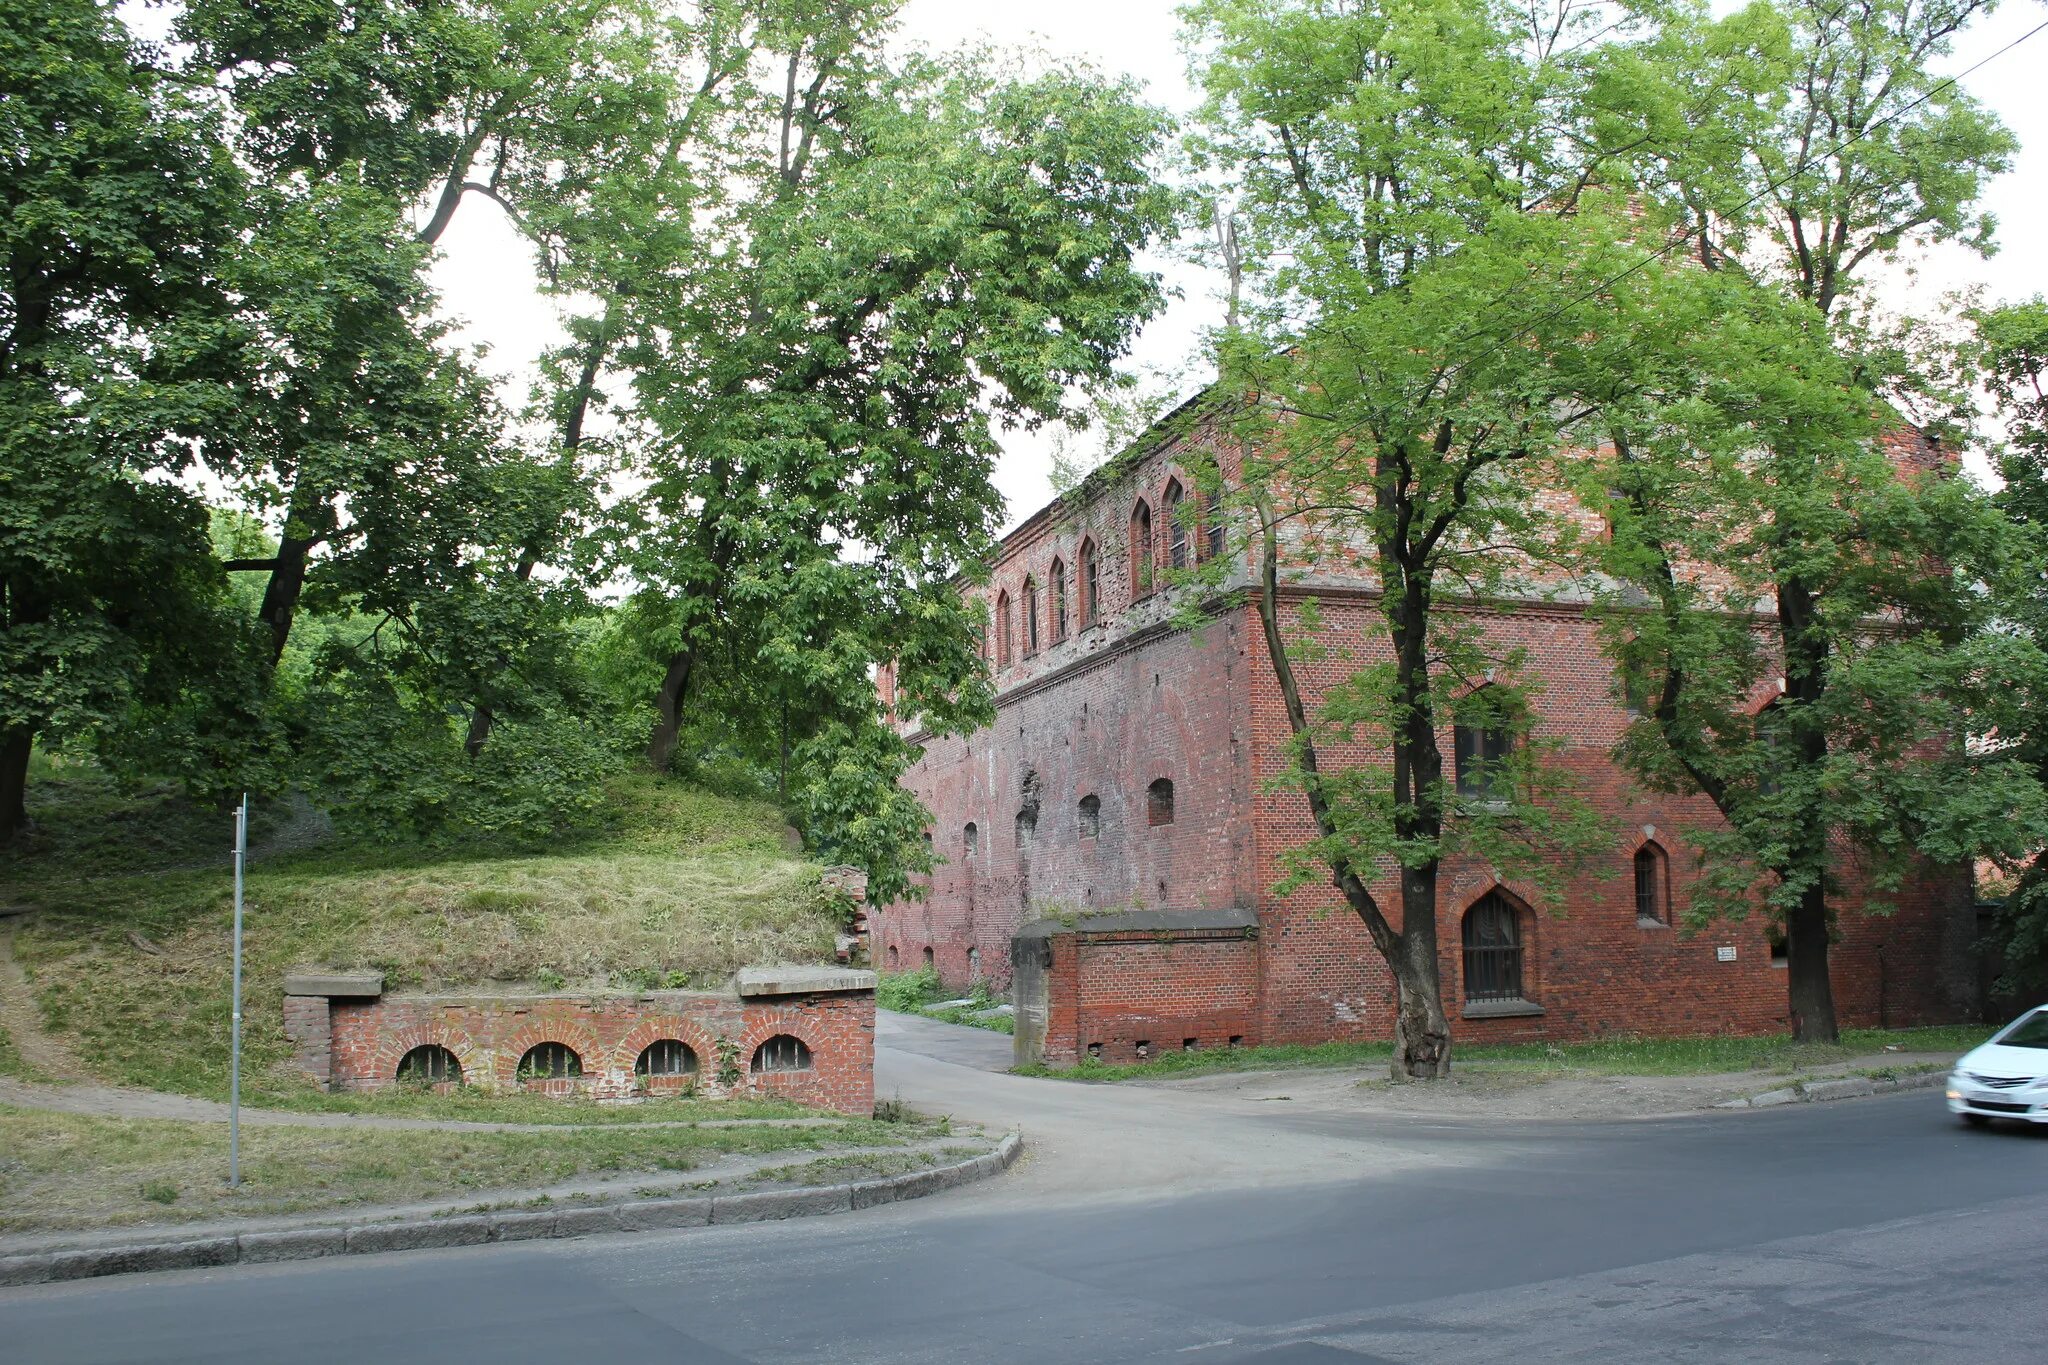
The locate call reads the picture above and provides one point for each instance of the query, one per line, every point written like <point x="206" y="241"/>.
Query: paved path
<point x="1155" y="1226"/>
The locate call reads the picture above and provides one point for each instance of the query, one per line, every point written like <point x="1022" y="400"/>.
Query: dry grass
<point x="64" y="1171"/>
<point x="681" y="888"/>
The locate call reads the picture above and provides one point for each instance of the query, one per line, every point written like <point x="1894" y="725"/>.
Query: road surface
<point x="1156" y="1225"/>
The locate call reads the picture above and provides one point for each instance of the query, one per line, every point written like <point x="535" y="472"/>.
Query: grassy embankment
<point x="916" y="992"/>
<point x="69" y="1171"/>
<point x="128" y="945"/>
<point x="1607" y="1056"/>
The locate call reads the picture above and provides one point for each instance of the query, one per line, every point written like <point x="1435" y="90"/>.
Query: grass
<point x="1696" y="1056"/>
<point x="12" y="1063"/>
<point x="830" y="1170"/>
<point x="480" y="1106"/>
<point x="66" y="1171"/>
<point x="129" y="953"/>
<point x="915" y="992"/>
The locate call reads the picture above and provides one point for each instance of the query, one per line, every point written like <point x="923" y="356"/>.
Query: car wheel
<point x="1977" y="1120"/>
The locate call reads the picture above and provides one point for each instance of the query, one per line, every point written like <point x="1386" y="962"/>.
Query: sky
<point x="485" y="267"/>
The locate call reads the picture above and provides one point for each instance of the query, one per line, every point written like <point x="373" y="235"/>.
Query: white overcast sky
<point x="484" y="268"/>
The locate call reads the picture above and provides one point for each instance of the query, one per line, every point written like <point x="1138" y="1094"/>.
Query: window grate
<point x="668" y="1057"/>
<point x="550" y="1062"/>
<point x="1493" y="952"/>
<point x="783" y="1052"/>
<point x="430" y="1064"/>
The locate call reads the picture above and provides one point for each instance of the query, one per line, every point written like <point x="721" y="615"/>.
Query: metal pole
<point x="235" y="1037"/>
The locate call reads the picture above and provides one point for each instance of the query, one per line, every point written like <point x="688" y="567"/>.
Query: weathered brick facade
<point x="368" y="1036"/>
<point x="1110" y="705"/>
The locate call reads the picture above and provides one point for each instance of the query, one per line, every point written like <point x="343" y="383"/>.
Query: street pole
<point x="235" y="1034"/>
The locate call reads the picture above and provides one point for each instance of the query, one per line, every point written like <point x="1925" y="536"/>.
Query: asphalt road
<point x="1867" y="1230"/>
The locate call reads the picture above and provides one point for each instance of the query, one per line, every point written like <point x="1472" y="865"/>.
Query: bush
<point x="909" y="992"/>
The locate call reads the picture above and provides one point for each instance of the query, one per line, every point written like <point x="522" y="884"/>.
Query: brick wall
<point x="1127" y="986"/>
<point x="489" y="1035"/>
<point x="1105" y="710"/>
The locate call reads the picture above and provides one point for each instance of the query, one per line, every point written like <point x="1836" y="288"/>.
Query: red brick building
<point x="1116" y="834"/>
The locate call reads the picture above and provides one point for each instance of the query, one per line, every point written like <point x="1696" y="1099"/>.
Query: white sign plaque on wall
<point x="1725" y="954"/>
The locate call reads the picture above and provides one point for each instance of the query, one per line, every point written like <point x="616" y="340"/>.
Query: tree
<point x="2012" y="363"/>
<point x="833" y="278"/>
<point x="1798" y="143"/>
<point x="118" y="200"/>
<point x="1402" y="171"/>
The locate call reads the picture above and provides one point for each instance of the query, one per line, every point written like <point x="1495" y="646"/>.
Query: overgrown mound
<point x="130" y="949"/>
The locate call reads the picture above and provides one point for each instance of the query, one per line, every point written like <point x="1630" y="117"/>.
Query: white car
<point x="2007" y="1078"/>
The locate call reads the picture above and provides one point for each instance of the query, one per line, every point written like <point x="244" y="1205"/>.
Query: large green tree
<point x="1797" y="144"/>
<point x="2011" y="361"/>
<point x="117" y="203"/>
<point x="825" y="283"/>
<point x="1418" y="221"/>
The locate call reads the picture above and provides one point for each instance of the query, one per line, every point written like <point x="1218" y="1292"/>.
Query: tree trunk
<point x="281" y="593"/>
<point x="1422" y="1030"/>
<point x="668" y="709"/>
<point x="1810" y="995"/>
<point x="14" y="751"/>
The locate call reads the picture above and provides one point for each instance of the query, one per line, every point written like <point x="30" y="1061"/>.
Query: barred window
<point x="1493" y="951"/>
<point x="430" y="1064"/>
<point x="666" y="1057"/>
<point x="783" y="1052"/>
<point x="550" y="1062"/>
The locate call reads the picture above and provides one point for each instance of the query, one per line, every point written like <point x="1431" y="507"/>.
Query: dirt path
<point x="23" y="1022"/>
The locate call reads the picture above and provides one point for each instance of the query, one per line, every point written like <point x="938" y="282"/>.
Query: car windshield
<point x="2029" y="1030"/>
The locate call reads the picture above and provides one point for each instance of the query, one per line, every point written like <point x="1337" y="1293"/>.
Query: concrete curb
<point x="1836" y="1088"/>
<point x="355" y="1239"/>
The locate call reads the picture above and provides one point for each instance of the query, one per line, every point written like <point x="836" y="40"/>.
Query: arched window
<point x="1479" y="748"/>
<point x="1002" y="630"/>
<point x="1652" y="905"/>
<point x="1091" y="816"/>
<point x="1176" y="529"/>
<point x="1091" y="585"/>
<point x="892" y="957"/>
<point x="1212" y="507"/>
<point x="1493" y="950"/>
<point x="783" y="1052"/>
<point x="1056" y="586"/>
<point x="1159" y="802"/>
<point x="550" y="1062"/>
<point x="970" y="839"/>
<point x="1027" y="827"/>
<point x="1141" y="550"/>
<point x="1030" y="615"/>
<point x="666" y="1057"/>
<point x="430" y="1064"/>
<point x="927" y="956"/>
<point x="974" y="964"/>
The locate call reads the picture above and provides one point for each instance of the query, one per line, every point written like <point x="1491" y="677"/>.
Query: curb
<point x="356" y="1239"/>
<point x="1841" y="1088"/>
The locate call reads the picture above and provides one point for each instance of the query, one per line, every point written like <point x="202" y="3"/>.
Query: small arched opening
<point x="430" y="1064"/>
<point x="666" y="1057"/>
<point x="783" y="1052"/>
<point x="1159" y="802"/>
<point x="550" y="1062"/>
<point x="1653" y="880"/>
<point x="1141" y="549"/>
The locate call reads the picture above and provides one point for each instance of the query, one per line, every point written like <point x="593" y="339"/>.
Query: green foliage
<point x="695" y="883"/>
<point x="1759" y="463"/>
<point x="728" y="1053"/>
<point x="909" y="992"/>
